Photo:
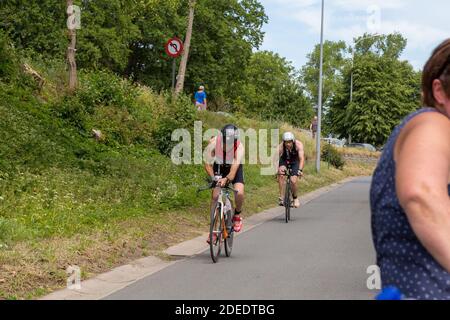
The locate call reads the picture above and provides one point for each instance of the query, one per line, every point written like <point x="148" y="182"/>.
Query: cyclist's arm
<point x="236" y="163"/>
<point x="276" y="157"/>
<point x="301" y="154"/>
<point x="422" y="156"/>
<point x="210" y="155"/>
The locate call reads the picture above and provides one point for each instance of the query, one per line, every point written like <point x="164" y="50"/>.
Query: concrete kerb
<point x="112" y="281"/>
<point x="107" y="283"/>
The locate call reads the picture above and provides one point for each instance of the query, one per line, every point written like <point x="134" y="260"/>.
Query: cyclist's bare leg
<point x="239" y="201"/>
<point x="294" y="180"/>
<point x="294" y="184"/>
<point x="214" y="197"/>
<point x="281" y="180"/>
<point x="239" y="196"/>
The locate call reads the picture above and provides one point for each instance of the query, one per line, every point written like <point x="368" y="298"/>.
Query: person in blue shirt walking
<point x="200" y="99"/>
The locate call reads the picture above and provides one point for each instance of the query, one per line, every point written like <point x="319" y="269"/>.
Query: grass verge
<point x="32" y="268"/>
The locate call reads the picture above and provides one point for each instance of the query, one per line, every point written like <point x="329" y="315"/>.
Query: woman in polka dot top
<point x="410" y="192"/>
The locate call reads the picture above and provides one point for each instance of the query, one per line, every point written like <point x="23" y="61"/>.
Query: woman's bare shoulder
<point x="425" y="129"/>
<point x="430" y="119"/>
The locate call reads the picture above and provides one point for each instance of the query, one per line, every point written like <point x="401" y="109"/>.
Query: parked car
<point x="335" y="142"/>
<point x="365" y="146"/>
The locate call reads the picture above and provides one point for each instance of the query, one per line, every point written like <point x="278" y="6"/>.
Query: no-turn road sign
<point x="174" y="47"/>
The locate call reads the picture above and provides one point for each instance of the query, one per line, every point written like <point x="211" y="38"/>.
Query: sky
<point x="294" y="25"/>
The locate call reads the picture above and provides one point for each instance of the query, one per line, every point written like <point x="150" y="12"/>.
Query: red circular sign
<point x="174" y="47"/>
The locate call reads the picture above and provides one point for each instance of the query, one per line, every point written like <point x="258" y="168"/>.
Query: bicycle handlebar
<point x="285" y="173"/>
<point x="288" y="175"/>
<point x="213" y="185"/>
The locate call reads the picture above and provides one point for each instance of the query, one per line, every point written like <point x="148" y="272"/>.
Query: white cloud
<point x="353" y="5"/>
<point x="418" y="35"/>
<point x="310" y="17"/>
<point x="347" y="5"/>
<point x="424" y="24"/>
<point x="354" y="24"/>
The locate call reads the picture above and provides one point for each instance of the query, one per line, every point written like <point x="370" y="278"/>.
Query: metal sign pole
<point x="174" y="48"/>
<point x="174" y="67"/>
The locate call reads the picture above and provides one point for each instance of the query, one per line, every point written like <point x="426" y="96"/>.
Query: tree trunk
<point x="187" y="43"/>
<point x="71" y="55"/>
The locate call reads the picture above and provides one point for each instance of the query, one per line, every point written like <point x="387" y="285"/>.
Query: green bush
<point x="332" y="156"/>
<point x="10" y="67"/>
<point x="106" y="88"/>
<point x="107" y="103"/>
<point x="180" y="115"/>
<point x="9" y="64"/>
<point x="99" y="88"/>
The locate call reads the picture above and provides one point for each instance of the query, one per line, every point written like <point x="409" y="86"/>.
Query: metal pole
<point x="174" y="70"/>
<point x="351" y="81"/>
<point x="351" y="93"/>
<point x="319" y="110"/>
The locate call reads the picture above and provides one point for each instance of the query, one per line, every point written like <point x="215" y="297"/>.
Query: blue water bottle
<point x="390" y="293"/>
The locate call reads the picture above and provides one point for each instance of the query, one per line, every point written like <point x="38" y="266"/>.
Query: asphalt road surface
<point x="323" y="253"/>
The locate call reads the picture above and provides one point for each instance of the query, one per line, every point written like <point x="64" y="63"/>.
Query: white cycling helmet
<point x="288" y="136"/>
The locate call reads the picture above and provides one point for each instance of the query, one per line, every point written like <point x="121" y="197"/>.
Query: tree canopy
<point x="127" y="37"/>
<point x="272" y="90"/>
<point x="385" y="89"/>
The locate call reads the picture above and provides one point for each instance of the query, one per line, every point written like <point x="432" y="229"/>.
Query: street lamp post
<point x="319" y="109"/>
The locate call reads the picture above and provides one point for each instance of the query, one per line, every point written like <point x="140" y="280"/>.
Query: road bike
<point x="288" y="198"/>
<point x="221" y="231"/>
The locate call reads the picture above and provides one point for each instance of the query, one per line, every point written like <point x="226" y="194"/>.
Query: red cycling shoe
<point x="214" y="238"/>
<point x="237" y="220"/>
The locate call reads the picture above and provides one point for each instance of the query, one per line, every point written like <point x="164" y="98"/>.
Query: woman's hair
<point x="437" y="67"/>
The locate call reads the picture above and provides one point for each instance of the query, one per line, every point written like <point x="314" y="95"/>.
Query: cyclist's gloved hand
<point x="300" y="172"/>
<point x="223" y="182"/>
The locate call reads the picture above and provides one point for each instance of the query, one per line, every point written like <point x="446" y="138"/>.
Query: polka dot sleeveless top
<point x="403" y="261"/>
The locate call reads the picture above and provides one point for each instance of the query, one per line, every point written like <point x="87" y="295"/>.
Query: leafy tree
<point x="128" y="37"/>
<point x="103" y="41"/>
<point x="333" y="64"/>
<point x="157" y="20"/>
<point x="385" y="90"/>
<point x="107" y="30"/>
<point x="35" y="24"/>
<point x="272" y="90"/>
<point x="224" y="34"/>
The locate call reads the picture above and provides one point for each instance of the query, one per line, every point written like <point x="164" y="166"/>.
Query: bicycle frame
<point x="223" y="234"/>
<point x="223" y="196"/>
<point x="288" y="174"/>
<point x="288" y="190"/>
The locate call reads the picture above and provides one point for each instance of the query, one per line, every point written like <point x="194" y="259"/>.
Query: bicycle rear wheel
<point x="215" y="233"/>
<point x="287" y="202"/>
<point x="229" y="225"/>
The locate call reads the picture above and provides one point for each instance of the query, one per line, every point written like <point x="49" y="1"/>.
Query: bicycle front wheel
<point x="215" y="233"/>
<point x="229" y="240"/>
<point x="287" y="202"/>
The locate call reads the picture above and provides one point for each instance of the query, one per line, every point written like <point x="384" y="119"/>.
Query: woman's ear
<point x="439" y="93"/>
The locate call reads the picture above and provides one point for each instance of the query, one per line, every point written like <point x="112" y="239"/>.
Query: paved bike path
<point x="323" y="253"/>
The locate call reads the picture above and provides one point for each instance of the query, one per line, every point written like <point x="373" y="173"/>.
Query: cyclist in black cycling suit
<point x="225" y="153"/>
<point x="291" y="154"/>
